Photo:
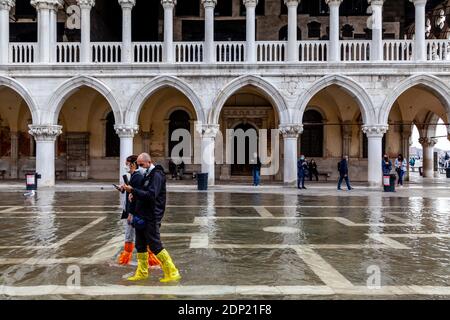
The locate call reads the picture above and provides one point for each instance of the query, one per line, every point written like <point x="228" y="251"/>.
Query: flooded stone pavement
<point x="230" y="246"/>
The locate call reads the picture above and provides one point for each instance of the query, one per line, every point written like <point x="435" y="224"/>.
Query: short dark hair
<point x="132" y="159"/>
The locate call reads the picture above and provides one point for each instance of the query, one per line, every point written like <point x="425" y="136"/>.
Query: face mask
<point x="302" y="158"/>
<point x="127" y="169"/>
<point x="142" y="170"/>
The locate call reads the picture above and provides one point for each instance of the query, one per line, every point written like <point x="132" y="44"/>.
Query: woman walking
<point x="400" y="168"/>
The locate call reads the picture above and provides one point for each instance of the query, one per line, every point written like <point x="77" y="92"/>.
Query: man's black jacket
<point x="150" y="197"/>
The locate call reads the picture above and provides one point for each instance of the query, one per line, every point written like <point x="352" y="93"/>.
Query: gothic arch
<point x="69" y="87"/>
<point x="349" y="85"/>
<point x="23" y="93"/>
<point x="269" y="91"/>
<point x="153" y="86"/>
<point x="434" y="84"/>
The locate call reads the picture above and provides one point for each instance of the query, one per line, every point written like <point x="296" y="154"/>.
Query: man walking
<point x="343" y="173"/>
<point x="302" y="168"/>
<point x="150" y="207"/>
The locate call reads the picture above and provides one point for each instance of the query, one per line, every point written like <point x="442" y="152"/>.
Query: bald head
<point x="144" y="160"/>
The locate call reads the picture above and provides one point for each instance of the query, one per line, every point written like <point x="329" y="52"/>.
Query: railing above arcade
<point x="230" y="52"/>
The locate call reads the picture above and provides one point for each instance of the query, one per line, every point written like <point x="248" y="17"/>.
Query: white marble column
<point x="208" y="135"/>
<point x="292" y="47"/>
<point x="5" y="8"/>
<point x="168" y="51"/>
<point x="45" y="136"/>
<point x="250" y="6"/>
<point x="47" y="28"/>
<point x="375" y="135"/>
<point x="209" y="6"/>
<point x="334" y="45"/>
<point x="127" y="50"/>
<point x="14" y="154"/>
<point x="428" y="156"/>
<point x="420" y="44"/>
<point x="85" y="52"/>
<point x="126" y="134"/>
<point x="376" y="48"/>
<point x="290" y="138"/>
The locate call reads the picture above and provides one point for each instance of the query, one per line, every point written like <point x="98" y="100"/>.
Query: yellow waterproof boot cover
<point x="170" y="271"/>
<point x="142" y="269"/>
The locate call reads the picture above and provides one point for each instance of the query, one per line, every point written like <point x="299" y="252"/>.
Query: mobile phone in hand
<point x="117" y="187"/>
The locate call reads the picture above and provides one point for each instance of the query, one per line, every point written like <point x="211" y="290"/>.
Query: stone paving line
<point x="334" y="282"/>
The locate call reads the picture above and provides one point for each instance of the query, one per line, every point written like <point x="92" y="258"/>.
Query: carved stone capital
<point x="47" y="4"/>
<point x="86" y="4"/>
<point x="7" y="4"/>
<point x="375" y="130"/>
<point x="291" y="3"/>
<point x="331" y="3"/>
<point x="126" y="131"/>
<point x="207" y="130"/>
<point x="168" y="4"/>
<point x="376" y="2"/>
<point x="127" y="4"/>
<point x="45" y="132"/>
<point x="419" y="2"/>
<point x="291" y="130"/>
<point x="209" y="3"/>
<point x="250" y="3"/>
<point x="428" y="142"/>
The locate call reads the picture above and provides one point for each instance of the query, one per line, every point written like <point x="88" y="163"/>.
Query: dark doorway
<point x="243" y="169"/>
<point x="112" y="139"/>
<point x="178" y="120"/>
<point x="312" y="136"/>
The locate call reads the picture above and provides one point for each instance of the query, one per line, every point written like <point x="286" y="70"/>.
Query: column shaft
<point x="168" y="33"/>
<point x="209" y="34"/>
<point x="292" y="54"/>
<point x="334" y="46"/>
<point x="14" y="154"/>
<point x="86" y="34"/>
<point x="420" y="44"/>
<point x="126" y="34"/>
<point x="376" y="49"/>
<point x="4" y="34"/>
<point x="250" y="6"/>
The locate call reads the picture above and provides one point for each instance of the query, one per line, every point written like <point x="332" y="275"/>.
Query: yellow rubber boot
<point x="170" y="271"/>
<point x="142" y="269"/>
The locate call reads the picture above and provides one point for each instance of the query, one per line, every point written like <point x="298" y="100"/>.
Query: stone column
<point x="334" y="46"/>
<point x="208" y="135"/>
<point x="250" y="6"/>
<point x="420" y="44"/>
<point x="168" y="6"/>
<point x="126" y="134"/>
<point x="47" y="12"/>
<point x="290" y="138"/>
<point x="85" y="52"/>
<point x="209" y="6"/>
<point x="45" y="136"/>
<point x="406" y="137"/>
<point x="292" y="47"/>
<point x="145" y="136"/>
<point x="5" y="8"/>
<point x="376" y="48"/>
<point x="375" y="135"/>
<point x="127" y="50"/>
<point x="14" y="154"/>
<point x="428" y="156"/>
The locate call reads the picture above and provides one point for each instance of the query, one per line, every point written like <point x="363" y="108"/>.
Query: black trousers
<point x="149" y="236"/>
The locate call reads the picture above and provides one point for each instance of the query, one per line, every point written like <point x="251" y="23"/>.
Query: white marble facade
<point x="374" y="85"/>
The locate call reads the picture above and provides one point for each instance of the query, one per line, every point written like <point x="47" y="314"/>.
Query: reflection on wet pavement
<point x="230" y="245"/>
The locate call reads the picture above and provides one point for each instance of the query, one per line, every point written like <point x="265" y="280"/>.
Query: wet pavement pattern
<point x="230" y="245"/>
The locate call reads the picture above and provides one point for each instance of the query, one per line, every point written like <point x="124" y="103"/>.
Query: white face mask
<point x="127" y="169"/>
<point x="142" y="170"/>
